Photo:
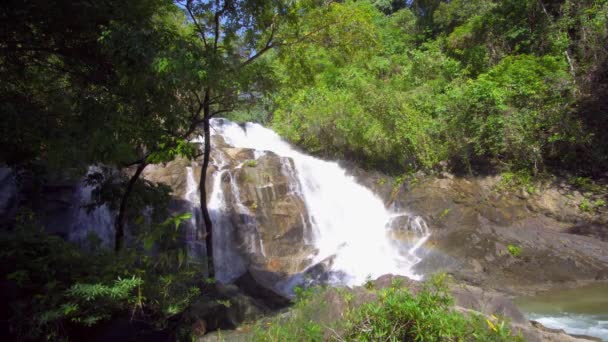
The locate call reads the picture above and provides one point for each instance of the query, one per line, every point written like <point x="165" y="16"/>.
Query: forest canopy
<point x="482" y="85"/>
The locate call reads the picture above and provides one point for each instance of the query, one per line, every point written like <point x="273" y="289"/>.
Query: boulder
<point x="264" y="206"/>
<point x="172" y="173"/>
<point x="263" y="214"/>
<point x="223" y="307"/>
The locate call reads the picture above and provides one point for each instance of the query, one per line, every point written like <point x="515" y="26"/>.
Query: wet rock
<point x="593" y="229"/>
<point x="474" y="224"/>
<point x="224" y="307"/>
<point x="266" y="215"/>
<point x="269" y="201"/>
<point x="251" y="286"/>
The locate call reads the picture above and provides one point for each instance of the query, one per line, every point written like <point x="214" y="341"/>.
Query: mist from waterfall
<point x="350" y="224"/>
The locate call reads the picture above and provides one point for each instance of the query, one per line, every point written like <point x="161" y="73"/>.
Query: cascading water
<point x="227" y="260"/>
<point x="349" y="223"/>
<point x="98" y="221"/>
<point x="196" y="245"/>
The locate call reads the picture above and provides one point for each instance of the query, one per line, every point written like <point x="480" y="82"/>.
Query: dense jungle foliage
<point x="483" y="85"/>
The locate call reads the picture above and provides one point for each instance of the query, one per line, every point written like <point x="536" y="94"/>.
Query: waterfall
<point x="84" y="223"/>
<point x="228" y="263"/>
<point x="350" y="224"/>
<point x="196" y="245"/>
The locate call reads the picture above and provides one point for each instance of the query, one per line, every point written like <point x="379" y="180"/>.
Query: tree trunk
<point x="208" y="225"/>
<point x="121" y="219"/>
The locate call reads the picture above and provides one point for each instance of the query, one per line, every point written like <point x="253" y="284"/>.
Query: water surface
<point x="579" y="311"/>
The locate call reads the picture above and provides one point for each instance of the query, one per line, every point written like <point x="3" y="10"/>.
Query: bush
<point x="395" y="315"/>
<point x="516" y="113"/>
<point x="398" y="315"/>
<point x="55" y="288"/>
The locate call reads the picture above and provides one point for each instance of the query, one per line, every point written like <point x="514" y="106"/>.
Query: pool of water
<point x="580" y="311"/>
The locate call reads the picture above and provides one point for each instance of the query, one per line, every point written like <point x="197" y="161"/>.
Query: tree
<point x="87" y="83"/>
<point x="233" y="35"/>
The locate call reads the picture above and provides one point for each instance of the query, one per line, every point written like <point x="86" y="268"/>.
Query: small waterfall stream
<point x="228" y="262"/>
<point x="350" y="224"/>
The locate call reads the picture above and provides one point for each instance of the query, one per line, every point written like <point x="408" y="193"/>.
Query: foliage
<point x="299" y="325"/>
<point x="60" y="287"/>
<point x="515" y="181"/>
<point x="483" y="85"/>
<point x="90" y="303"/>
<point x="514" y="250"/>
<point x="590" y="206"/>
<point x="91" y="77"/>
<point x="251" y="163"/>
<point x="395" y="315"/>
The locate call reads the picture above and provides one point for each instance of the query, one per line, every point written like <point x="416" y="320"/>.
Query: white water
<point x="227" y="260"/>
<point x="580" y="311"/>
<point x="349" y="223"/>
<point x="195" y="242"/>
<point x="85" y="223"/>
<point x="589" y="325"/>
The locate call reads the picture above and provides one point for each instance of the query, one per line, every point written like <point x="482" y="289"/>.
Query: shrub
<point x="60" y="288"/>
<point x="513" y="181"/>
<point x="251" y="163"/>
<point x="514" y="250"/>
<point x="298" y="324"/>
<point x="395" y="315"/>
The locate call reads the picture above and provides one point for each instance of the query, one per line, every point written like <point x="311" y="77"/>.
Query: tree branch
<point x="217" y="16"/>
<point x="196" y="23"/>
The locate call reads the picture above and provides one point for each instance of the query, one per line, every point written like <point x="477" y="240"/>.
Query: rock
<point x="250" y="286"/>
<point x="553" y="203"/>
<point x="172" y="174"/>
<point x="199" y="328"/>
<point x="486" y="301"/>
<point x="264" y="199"/>
<point x="264" y="209"/>
<point x="473" y="226"/>
<point x="227" y="336"/>
<point x="593" y="229"/>
<point x="223" y="307"/>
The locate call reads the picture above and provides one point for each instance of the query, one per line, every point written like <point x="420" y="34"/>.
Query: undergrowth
<point x="54" y="291"/>
<point x="395" y="314"/>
